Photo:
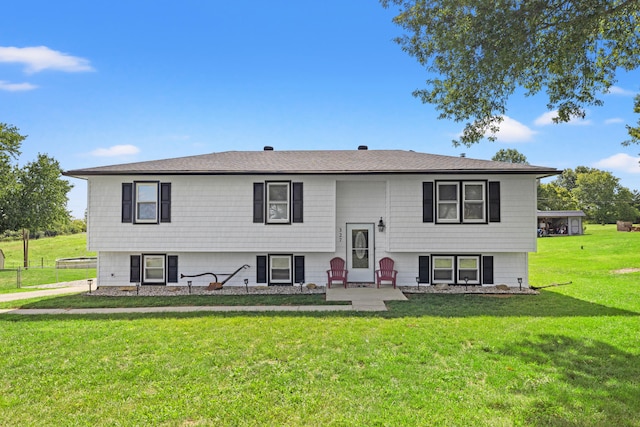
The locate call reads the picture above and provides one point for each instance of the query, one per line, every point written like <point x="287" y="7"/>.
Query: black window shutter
<point x="172" y="269"/>
<point x="165" y="202"/>
<point x="424" y="271"/>
<point x="298" y="269"/>
<point x="127" y="202"/>
<point x="134" y="268"/>
<point x="427" y="202"/>
<point x="297" y="202"/>
<point x="261" y="269"/>
<point x="258" y="203"/>
<point x="494" y="201"/>
<point x="487" y="270"/>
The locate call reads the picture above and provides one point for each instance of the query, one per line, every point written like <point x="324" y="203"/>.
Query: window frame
<point x="137" y="202"/>
<point x="482" y="202"/>
<point x="144" y="268"/>
<point x="434" y="269"/>
<point x="268" y="202"/>
<point x="287" y="281"/>
<point x="459" y="269"/>
<point x="439" y="202"/>
<point x="461" y="216"/>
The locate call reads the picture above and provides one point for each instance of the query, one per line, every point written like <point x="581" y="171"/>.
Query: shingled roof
<point x="313" y="162"/>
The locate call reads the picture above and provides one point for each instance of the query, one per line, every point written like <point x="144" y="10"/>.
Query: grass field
<point x="42" y="255"/>
<point x="567" y="357"/>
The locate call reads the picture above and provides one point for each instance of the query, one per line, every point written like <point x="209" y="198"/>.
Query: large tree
<point x="602" y="198"/>
<point x="10" y="142"/>
<point x="37" y="199"/>
<point x="554" y="197"/>
<point x="480" y="52"/>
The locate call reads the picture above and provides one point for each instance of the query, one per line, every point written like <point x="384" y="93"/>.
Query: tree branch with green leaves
<point x="479" y="53"/>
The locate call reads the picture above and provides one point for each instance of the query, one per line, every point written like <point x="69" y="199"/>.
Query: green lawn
<point x="42" y="255"/>
<point x="567" y="357"/>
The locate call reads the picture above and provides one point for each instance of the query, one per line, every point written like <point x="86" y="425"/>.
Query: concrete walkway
<point x="366" y="299"/>
<point x="362" y="299"/>
<point x="60" y="289"/>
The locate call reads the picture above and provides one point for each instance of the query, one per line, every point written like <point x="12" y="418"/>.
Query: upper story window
<point x="278" y="199"/>
<point x="448" y="205"/>
<point x="474" y="201"/>
<point x="278" y="202"/>
<point x="456" y="202"/>
<point x="146" y="202"/>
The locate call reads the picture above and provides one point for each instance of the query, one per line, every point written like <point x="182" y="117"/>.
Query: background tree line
<point x="597" y="193"/>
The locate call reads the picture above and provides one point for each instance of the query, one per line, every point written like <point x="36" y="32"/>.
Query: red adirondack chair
<point x="337" y="273"/>
<point x="386" y="272"/>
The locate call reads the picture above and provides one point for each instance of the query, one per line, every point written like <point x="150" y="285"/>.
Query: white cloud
<point x="547" y="119"/>
<point x="39" y="58"/>
<point x="16" y="87"/>
<point x="116" y="150"/>
<point x="617" y="90"/>
<point x="620" y="162"/>
<point x="513" y="131"/>
<point x="613" y="121"/>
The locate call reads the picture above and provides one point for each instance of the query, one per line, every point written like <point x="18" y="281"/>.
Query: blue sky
<point x="96" y="83"/>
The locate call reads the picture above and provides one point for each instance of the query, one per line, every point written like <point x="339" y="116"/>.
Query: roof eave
<point x="84" y="174"/>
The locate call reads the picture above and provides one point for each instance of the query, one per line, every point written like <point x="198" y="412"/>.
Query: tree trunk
<point x="25" y="247"/>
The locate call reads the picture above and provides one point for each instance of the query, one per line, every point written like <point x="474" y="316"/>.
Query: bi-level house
<point x="286" y="214"/>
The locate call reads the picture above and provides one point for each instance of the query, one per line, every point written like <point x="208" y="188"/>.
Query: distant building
<point x="552" y="223"/>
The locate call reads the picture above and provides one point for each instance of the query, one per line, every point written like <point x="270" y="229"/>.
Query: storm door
<point x="360" y="253"/>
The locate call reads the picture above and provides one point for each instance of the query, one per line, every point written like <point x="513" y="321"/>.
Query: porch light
<point x="90" y="282"/>
<point x="381" y="225"/>
<point x="520" y="282"/>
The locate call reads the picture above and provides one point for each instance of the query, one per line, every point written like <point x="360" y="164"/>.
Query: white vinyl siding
<point x="113" y="267"/>
<point x="516" y="231"/>
<point x="211" y="214"/>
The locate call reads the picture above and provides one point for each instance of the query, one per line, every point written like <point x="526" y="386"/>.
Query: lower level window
<point x="280" y="271"/>
<point x="469" y="270"/>
<point x="153" y="269"/>
<point x="443" y="269"/>
<point x="461" y="269"/>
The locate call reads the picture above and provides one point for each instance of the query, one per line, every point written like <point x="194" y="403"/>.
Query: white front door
<point x="360" y="256"/>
